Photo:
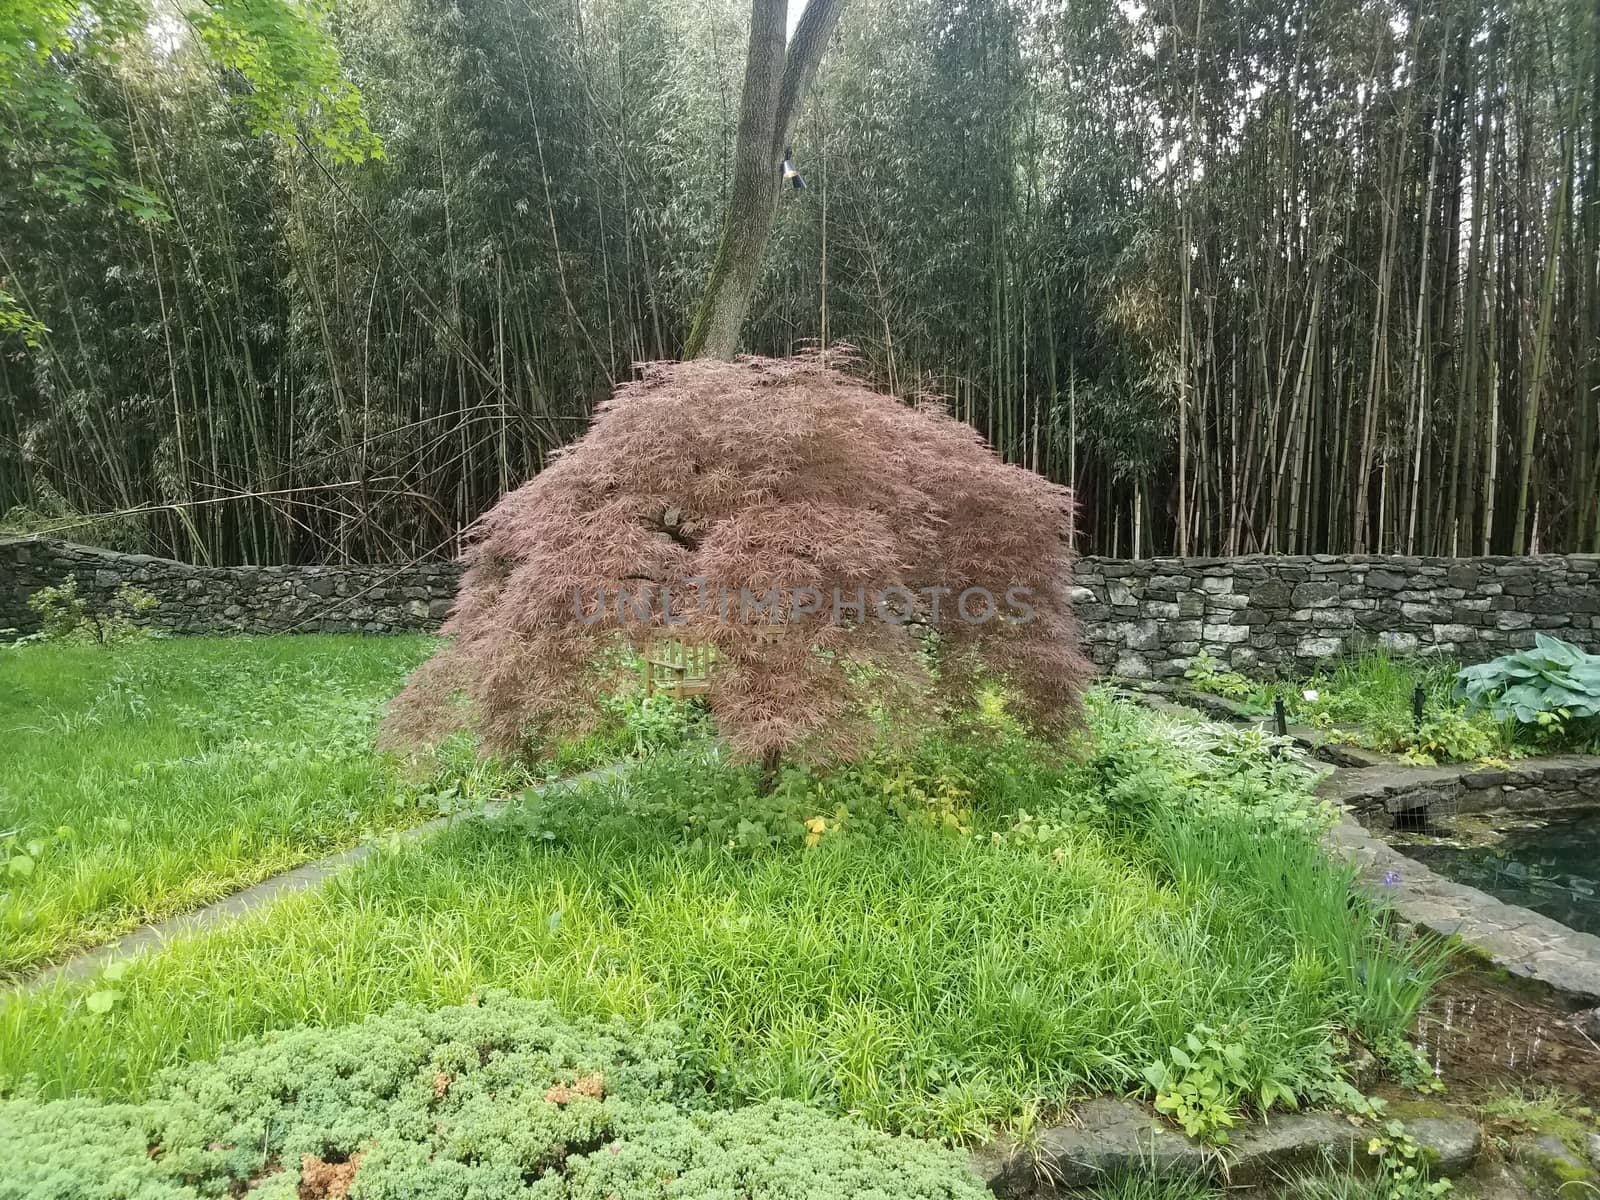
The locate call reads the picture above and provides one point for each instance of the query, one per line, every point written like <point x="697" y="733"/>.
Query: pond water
<point x="1553" y="868"/>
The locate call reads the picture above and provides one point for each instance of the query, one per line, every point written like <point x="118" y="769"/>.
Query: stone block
<point x="1271" y="594"/>
<point x="1225" y="634"/>
<point x="1314" y="595"/>
<point x="1226" y="604"/>
<point x="1318" y="647"/>
<point x="1132" y="665"/>
<point x="1141" y="635"/>
<point x="1424" y="612"/>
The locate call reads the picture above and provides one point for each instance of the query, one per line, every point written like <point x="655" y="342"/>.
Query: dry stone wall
<point x="193" y="599"/>
<point x="1142" y="618"/>
<point x="1147" y="618"/>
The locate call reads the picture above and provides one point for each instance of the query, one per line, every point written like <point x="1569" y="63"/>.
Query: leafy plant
<point x="1204" y="674"/>
<point x="1448" y="734"/>
<point x="65" y="616"/>
<point x="1544" y="687"/>
<point x="1403" y="1166"/>
<point x="1206" y="1081"/>
<point x="1406" y="1064"/>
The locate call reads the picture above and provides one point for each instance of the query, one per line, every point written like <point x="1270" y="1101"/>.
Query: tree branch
<point x="811" y="38"/>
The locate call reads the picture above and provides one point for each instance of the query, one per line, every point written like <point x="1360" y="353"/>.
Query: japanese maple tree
<point x="846" y="554"/>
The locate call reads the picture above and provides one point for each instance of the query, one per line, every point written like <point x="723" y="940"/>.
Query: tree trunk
<point x="774" y="82"/>
<point x="771" y="765"/>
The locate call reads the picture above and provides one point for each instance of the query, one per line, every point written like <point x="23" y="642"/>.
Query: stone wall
<point x="1389" y="796"/>
<point x="1141" y="618"/>
<point x="366" y="599"/>
<point x="1264" y="615"/>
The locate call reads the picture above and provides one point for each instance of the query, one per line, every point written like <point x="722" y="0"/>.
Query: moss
<point x="1556" y="1169"/>
<point x="1418" y="1109"/>
<point x="1549" y="1162"/>
<point x="1544" y="1112"/>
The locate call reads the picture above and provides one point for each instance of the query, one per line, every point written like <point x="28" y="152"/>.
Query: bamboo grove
<point x="1314" y="276"/>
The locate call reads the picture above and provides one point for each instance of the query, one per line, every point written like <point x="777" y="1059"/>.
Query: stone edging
<point x="1545" y="784"/>
<point x="1525" y="944"/>
<point x="1109" y="1136"/>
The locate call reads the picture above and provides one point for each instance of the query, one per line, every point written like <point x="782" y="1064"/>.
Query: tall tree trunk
<point x="774" y="81"/>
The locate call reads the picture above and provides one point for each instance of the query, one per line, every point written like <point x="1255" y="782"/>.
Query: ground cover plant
<point x="939" y="940"/>
<point x="146" y="778"/>
<point x="1369" y="700"/>
<point x="494" y="1097"/>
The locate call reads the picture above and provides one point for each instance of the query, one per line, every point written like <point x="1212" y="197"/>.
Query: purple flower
<point x="1391" y="878"/>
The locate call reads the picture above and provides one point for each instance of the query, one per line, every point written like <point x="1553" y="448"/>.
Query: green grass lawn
<point x="975" y="935"/>
<point x="146" y="778"/>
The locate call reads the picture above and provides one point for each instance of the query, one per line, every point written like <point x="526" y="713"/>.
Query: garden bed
<point x="1375" y="709"/>
<point x="970" y="936"/>
<point x="965" y="936"/>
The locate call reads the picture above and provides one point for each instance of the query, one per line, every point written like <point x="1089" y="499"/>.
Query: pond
<point x="1552" y="868"/>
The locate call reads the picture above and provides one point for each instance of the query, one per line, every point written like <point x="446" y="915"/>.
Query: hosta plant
<point x="1551" y="683"/>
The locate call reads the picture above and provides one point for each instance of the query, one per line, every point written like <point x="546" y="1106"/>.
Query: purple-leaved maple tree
<point x="718" y="482"/>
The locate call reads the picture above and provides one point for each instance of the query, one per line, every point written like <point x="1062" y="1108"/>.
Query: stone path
<point x="242" y="903"/>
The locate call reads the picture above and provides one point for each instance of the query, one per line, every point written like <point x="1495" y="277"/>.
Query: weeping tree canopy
<point x="821" y="537"/>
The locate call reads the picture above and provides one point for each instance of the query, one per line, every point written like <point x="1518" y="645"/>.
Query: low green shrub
<point x="1205" y="674"/>
<point x="498" y="1098"/>
<point x="65" y="616"/>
